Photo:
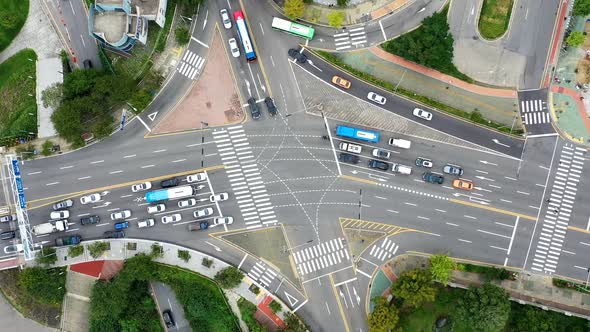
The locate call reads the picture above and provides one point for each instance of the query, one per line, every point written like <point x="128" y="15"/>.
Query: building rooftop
<point x="111" y="25"/>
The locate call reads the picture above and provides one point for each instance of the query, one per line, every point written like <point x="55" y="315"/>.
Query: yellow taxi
<point x="341" y="82"/>
<point x="463" y="184"/>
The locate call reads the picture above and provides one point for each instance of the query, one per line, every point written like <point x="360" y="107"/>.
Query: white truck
<point x="401" y="169"/>
<point x="350" y="147"/>
<point x="400" y="143"/>
<point x="51" y="227"/>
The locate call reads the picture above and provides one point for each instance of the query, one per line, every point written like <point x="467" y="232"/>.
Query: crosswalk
<point x="244" y="177"/>
<point x="384" y="250"/>
<point x="190" y="65"/>
<point x="534" y="112"/>
<point x="354" y="37"/>
<point x="559" y="209"/>
<point x="261" y="273"/>
<point x="320" y="256"/>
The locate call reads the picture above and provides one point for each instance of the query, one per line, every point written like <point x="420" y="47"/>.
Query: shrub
<point x="46" y="286"/>
<point x="247" y="310"/>
<point x="206" y="262"/>
<point x="184" y="255"/>
<point x="230" y="277"/>
<point x="182" y="34"/>
<point x="157" y="251"/>
<point x="275" y="306"/>
<point x="75" y="251"/>
<point x="46" y="148"/>
<point x="47" y="256"/>
<point x="96" y="249"/>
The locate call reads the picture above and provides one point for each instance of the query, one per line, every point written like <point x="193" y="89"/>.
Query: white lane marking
<point x="412" y="204"/>
<point x="66" y="167"/>
<point x="491" y="233"/>
<point x="115" y="172"/>
<point x="509" y="178"/>
<point x="494" y="186"/>
<point x="540" y="185"/>
<point x="464" y="240"/>
<point x="505" y="200"/>
<point x="423" y="218"/>
<point x="97" y="162"/>
<point x="34" y="173"/>
<point x="158" y="151"/>
<point x="126" y="196"/>
<point x="147" y="166"/>
<point x="392" y="211"/>
<point x="130" y="156"/>
<point x="512" y="238"/>
<point x="272" y="61"/>
<point x="178" y="160"/>
<point x="451" y="224"/>
<point x="522" y="192"/>
<point x="439" y="210"/>
<point x="470" y="217"/>
<point x="51" y="184"/>
<point x="200" y="42"/>
<point x="484" y="172"/>
<point x="144" y="124"/>
<point x="84" y="177"/>
<point x="380" y="197"/>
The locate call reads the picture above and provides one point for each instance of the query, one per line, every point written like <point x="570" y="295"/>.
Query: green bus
<point x="292" y="28"/>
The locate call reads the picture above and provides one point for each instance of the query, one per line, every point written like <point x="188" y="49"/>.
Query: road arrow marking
<point x="214" y="246"/>
<point x="152" y="116"/>
<point x="487" y="163"/>
<point x="498" y="142"/>
<point x="101" y="206"/>
<point x="292" y="300"/>
<point x="104" y="193"/>
<point x="314" y="66"/>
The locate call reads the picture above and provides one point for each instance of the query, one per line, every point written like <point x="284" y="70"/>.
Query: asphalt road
<point x="166" y="300"/>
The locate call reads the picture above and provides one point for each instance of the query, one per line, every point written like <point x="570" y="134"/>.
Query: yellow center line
<point x="578" y="229"/>
<point x="339" y="304"/>
<point x="115" y="186"/>
<point x="493" y="209"/>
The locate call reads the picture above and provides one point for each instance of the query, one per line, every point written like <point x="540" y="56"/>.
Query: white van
<point x="350" y="147"/>
<point x="400" y="143"/>
<point x="401" y="169"/>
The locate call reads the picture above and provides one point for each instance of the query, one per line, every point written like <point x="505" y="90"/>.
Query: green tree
<point x="67" y="121"/>
<point x="275" y="306"/>
<point x="335" y="19"/>
<point x="342" y="3"/>
<point x="140" y="100"/>
<point x="79" y="83"/>
<point x="484" y="308"/>
<point x="52" y="96"/>
<point x="104" y="126"/>
<point x="47" y="256"/>
<point x="75" y="251"/>
<point x="230" y="277"/>
<point x="581" y="8"/>
<point x="575" y="39"/>
<point x="8" y="21"/>
<point x="294" y="9"/>
<point x="294" y="324"/>
<point x="529" y="318"/>
<point x="46" y="286"/>
<point x="415" y="287"/>
<point x="182" y="34"/>
<point x="441" y="267"/>
<point x="384" y="317"/>
<point x="98" y="248"/>
<point x="46" y="148"/>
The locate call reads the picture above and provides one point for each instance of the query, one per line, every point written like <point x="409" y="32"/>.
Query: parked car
<point x="114" y="234"/>
<point x="92" y="198"/>
<point x="203" y="212"/>
<point x="87" y="64"/>
<point x="146" y="223"/>
<point x="122" y="225"/>
<point x="341" y="82"/>
<point x="63" y="204"/>
<point x="348" y="158"/>
<point x="8" y="235"/>
<point x="382" y="154"/>
<point x="89" y="220"/>
<point x="299" y="57"/>
<point x="141" y="186"/>
<point x="453" y="169"/>
<point x="223" y="220"/>
<point x="372" y="96"/>
<point x="463" y="184"/>
<point x="218" y="198"/>
<point x="68" y="240"/>
<point x="270" y="105"/>
<point x="433" y="178"/>
<point x="171" y="218"/>
<point x="198" y="226"/>
<point x="422" y="114"/>
<point x="120" y="215"/>
<point x="62" y="214"/>
<point x="225" y="18"/>
<point x="168" y="318"/>
<point x="254" y="109"/>
<point x="187" y="202"/>
<point x="156" y="208"/>
<point x="423" y="162"/>
<point x="13" y="248"/>
<point x="233" y="47"/>
<point x="168" y="183"/>
<point x="7" y="218"/>
<point x="196" y="177"/>
<point x="378" y="164"/>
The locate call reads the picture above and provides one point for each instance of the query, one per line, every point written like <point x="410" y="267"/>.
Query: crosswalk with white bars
<point x="320" y="256"/>
<point x="244" y="177"/>
<point x="384" y="250"/>
<point x="534" y="112"/>
<point x="190" y="65"/>
<point x="262" y="274"/>
<point x="354" y="37"/>
<point x="559" y="209"/>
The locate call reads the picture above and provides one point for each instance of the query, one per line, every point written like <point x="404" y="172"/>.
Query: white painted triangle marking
<point x="292" y="300"/>
<point x="152" y="116"/>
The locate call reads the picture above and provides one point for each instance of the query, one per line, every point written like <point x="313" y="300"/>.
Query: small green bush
<point x="47" y="256"/>
<point x="98" y="248"/>
<point x="157" y="251"/>
<point x="230" y="277"/>
<point x="182" y="34"/>
<point x="184" y="255"/>
<point x="275" y="306"/>
<point x="206" y="262"/>
<point x="46" y="148"/>
<point x="75" y="251"/>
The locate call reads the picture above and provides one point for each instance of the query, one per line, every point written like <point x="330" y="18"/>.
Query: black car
<point x="63" y="205"/>
<point x="87" y="64"/>
<point x="254" y="109"/>
<point x="378" y="164"/>
<point x="114" y="234"/>
<point x="169" y="183"/>
<point x="168" y="318"/>
<point x="198" y="227"/>
<point x="433" y="178"/>
<point x="89" y="220"/>
<point x="348" y="158"/>
<point x="270" y="105"/>
<point x="300" y="57"/>
<point x="8" y="235"/>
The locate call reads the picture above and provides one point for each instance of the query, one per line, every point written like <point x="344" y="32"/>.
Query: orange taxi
<point x="341" y="82"/>
<point x="463" y="184"/>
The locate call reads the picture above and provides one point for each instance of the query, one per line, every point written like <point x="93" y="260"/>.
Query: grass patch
<point x="27" y="304"/>
<point x="18" y="107"/>
<point x="494" y="18"/>
<point x="570" y="285"/>
<point x="471" y="116"/>
<point x="489" y="272"/>
<point x="12" y="18"/>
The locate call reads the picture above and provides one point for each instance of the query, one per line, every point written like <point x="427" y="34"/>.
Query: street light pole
<point x="202" y="143"/>
<point x="587" y="277"/>
<point x="521" y="156"/>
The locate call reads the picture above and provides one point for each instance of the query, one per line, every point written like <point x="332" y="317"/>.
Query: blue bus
<point x="244" y="35"/>
<point x="360" y="134"/>
<point x="166" y="194"/>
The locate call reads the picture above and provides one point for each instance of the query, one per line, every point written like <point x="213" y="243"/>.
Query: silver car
<point x="171" y="218"/>
<point x="120" y="215"/>
<point x="92" y="198"/>
<point x="187" y="203"/>
<point x="203" y="213"/>
<point x="146" y="223"/>
<point x="379" y="99"/>
<point x="233" y="46"/>
<point x="225" y="18"/>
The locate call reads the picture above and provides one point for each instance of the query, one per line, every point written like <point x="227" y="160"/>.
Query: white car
<point x="225" y="18"/>
<point x="196" y="177"/>
<point x="92" y="198"/>
<point x="171" y="218"/>
<point x="146" y="223"/>
<point x="203" y="213"/>
<point x="120" y="215"/>
<point x="187" y="202"/>
<point x="233" y="46"/>
<point x="223" y="220"/>
<point x="372" y="96"/>
<point x="156" y="208"/>
<point x="141" y="186"/>
<point x="218" y="198"/>
<point x="62" y="214"/>
<point x="13" y="248"/>
<point x="422" y="114"/>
